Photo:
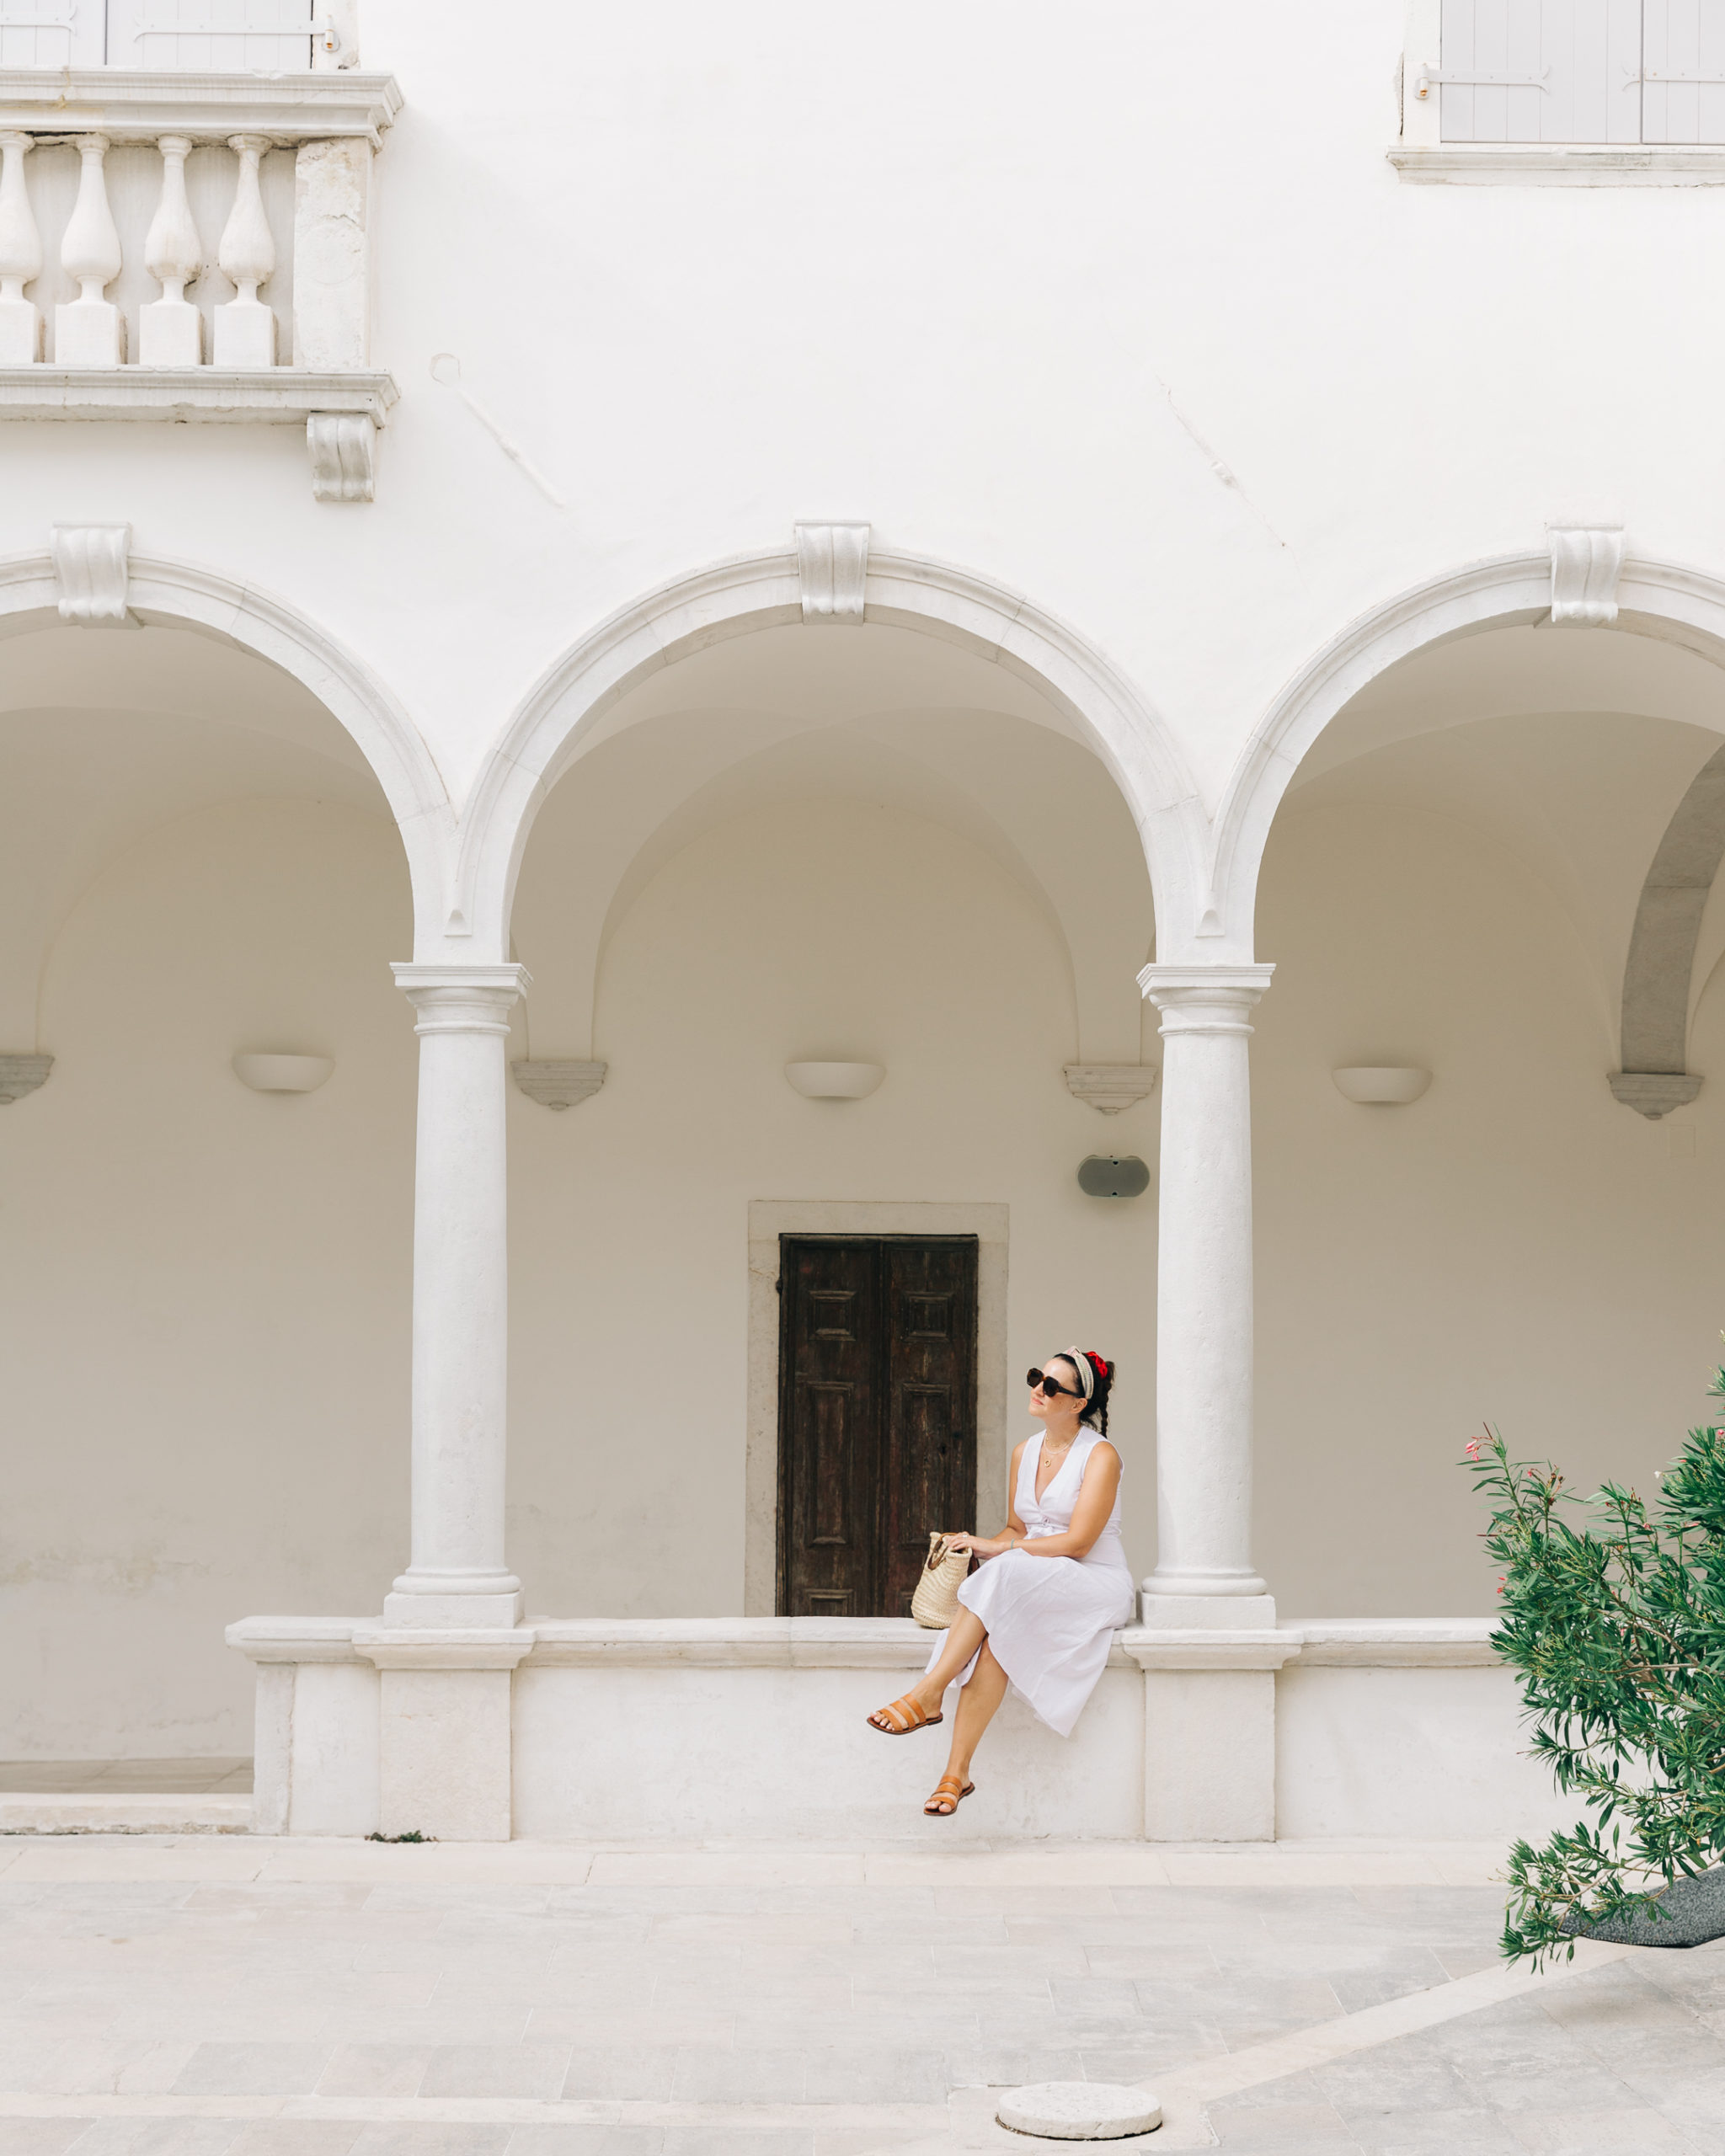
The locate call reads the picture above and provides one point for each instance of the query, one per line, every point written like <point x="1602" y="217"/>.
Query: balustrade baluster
<point x="245" y="325"/>
<point x="170" y="329"/>
<point x="20" y="259"/>
<point x="88" y="331"/>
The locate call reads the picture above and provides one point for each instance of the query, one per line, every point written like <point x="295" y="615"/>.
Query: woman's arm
<point x="1013" y="1533"/>
<point x="1090" y="1515"/>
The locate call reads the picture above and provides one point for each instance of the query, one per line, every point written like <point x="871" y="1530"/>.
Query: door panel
<point x="877" y="1415"/>
<point x="828" y="1298"/>
<point x="931" y="1433"/>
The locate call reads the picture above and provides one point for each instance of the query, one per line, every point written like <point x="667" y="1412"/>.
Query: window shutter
<point x="1683" y="38"/>
<point x="1554" y="71"/>
<point x="50" y="33"/>
<point x="204" y="36"/>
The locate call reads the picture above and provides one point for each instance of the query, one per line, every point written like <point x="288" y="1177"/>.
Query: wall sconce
<point x="21" y="1073"/>
<point x="835" y="1082"/>
<point x="1380" y="1084"/>
<point x="283" y="1074"/>
<point x="1107" y="1175"/>
<point x="557" y="1082"/>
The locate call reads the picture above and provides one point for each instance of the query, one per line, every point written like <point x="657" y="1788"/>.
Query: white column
<point x="1204" y="1576"/>
<point x="457" y="1577"/>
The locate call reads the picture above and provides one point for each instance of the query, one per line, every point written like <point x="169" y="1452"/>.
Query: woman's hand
<point x="982" y="1545"/>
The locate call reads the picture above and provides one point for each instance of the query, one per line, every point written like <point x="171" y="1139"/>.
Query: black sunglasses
<point x="1035" y="1378"/>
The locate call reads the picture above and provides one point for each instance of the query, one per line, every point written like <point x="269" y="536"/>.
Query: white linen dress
<point x="1051" y="1620"/>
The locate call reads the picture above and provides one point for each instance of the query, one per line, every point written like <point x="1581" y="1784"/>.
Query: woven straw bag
<point x="936" y="1602"/>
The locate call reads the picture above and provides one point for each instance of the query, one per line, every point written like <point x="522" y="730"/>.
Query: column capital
<point x="1204" y="998"/>
<point x="462" y="999"/>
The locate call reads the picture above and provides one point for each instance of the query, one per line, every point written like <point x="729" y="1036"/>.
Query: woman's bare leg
<point x="977" y="1704"/>
<point x="966" y="1635"/>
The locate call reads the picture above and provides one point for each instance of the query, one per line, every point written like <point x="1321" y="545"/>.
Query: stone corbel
<point x="344" y="446"/>
<point x="557" y="1084"/>
<point x="20" y="1075"/>
<point x="1654" y="1093"/>
<point x="833" y="561"/>
<point x="1587" y="561"/>
<point x="1111" y="1087"/>
<point x="91" y="570"/>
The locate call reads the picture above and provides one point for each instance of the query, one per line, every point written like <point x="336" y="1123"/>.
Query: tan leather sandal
<point x="901" y="1717"/>
<point x="947" y="1797"/>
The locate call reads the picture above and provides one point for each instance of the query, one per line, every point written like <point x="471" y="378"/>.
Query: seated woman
<point x="1041" y="1612"/>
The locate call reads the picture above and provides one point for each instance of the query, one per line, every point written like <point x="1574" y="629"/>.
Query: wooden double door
<point x="877" y="1418"/>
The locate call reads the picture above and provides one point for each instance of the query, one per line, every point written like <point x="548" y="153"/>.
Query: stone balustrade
<point x="194" y="247"/>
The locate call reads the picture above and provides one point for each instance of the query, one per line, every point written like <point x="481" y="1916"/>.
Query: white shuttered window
<point x="1683" y="56"/>
<point x="1542" y="71"/>
<point x="197" y="36"/>
<point x="1583" y="70"/>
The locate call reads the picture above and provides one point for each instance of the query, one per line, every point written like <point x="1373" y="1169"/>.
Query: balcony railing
<point x="194" y="247"/>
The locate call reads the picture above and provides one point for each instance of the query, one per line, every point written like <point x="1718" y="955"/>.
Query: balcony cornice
<point x="281" y="395"/>
<point x="134" y="105"/>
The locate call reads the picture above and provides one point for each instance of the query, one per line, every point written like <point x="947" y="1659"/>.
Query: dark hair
<point x="1095" y="1410"/>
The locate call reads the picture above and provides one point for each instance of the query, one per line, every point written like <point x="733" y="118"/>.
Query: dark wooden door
<point x="877" y="1415"/>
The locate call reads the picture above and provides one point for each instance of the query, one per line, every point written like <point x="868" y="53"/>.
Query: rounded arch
<point x="676" y="778"/>
<point x="1656" y="599"/>
<point x="386" y="737"/>
<point x="736" y="598"/>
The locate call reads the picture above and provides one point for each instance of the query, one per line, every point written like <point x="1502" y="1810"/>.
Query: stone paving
<point x="220" y="1994"/>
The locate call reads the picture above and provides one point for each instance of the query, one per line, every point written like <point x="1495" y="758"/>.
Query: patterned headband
<point x="1086" y="1375"/>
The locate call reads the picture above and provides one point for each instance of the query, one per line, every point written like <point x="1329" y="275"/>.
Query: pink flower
<point x="1502" y="1584"/>
<point x="1473" y="1446"/>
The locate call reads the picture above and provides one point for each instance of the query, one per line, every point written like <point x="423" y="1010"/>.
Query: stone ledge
<point x="846" y="1643"/>
<point x="404" y="1647"/>
<point x="131" y="104"/>
<point x="271" y="396"/>
<point x="1551" y="164"/>
<point x="121" y="1814"/>
<point x="1398" y="1642"/>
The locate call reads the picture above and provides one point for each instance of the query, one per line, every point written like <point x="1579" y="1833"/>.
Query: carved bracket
<point x="90" y="568"/>
<point x="558" y="1085"/>
<point x="1586" y="564"/>
<point x="20" y="1075"/>
<point x="344" y="446"/>
<point x="833" y="560"/>
<point x="1654" y="1093"/>
<point x="1112" y="1087"/>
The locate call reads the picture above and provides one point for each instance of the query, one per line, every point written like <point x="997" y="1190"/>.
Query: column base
<point x="427" y="1602"/>
<point x="1164" y="1611"/>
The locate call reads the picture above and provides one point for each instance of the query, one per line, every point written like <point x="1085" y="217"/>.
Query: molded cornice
<point x="137" y="105"/>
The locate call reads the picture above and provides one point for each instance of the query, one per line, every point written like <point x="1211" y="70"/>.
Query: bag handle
<point x="937" y="1553"/>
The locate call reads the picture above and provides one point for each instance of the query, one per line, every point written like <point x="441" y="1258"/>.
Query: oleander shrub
<point x="1613" y="1617"/>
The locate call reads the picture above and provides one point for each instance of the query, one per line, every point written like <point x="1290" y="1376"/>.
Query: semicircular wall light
<point x="1381" y="1085"/>
<point x="283" y="1074"/>
<point x="835" y="1082"/>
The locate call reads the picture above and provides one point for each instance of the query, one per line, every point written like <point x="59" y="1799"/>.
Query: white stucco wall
<point x="206" y="1288"/>
<point x="207" y="1299"/>
<point x="1134" y="318"/>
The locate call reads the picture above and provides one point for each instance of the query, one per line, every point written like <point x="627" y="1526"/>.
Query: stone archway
<point x="1654" y="598"/>
<point x="392" y="746"/>
<point x="736" y="598"/>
